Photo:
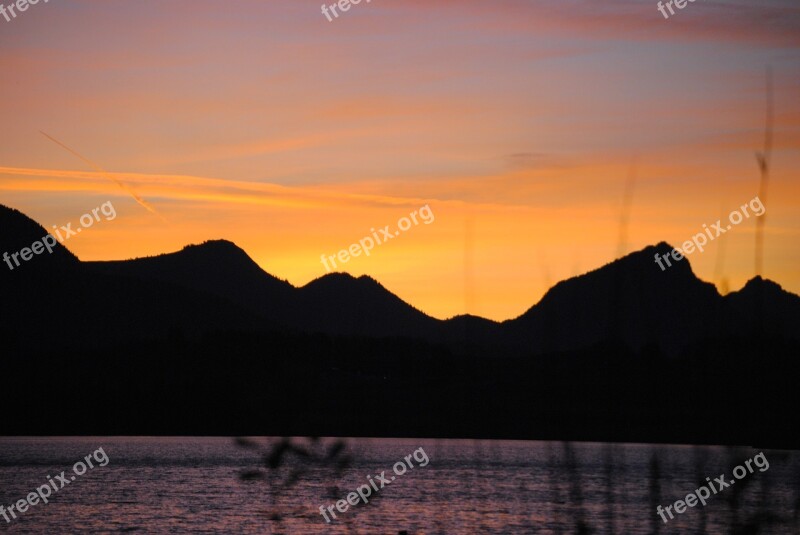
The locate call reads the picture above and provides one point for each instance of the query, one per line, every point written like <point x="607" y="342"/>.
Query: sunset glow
<point x="518" y="123"/>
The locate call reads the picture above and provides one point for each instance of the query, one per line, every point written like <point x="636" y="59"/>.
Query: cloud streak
<point x="107" y="175"/>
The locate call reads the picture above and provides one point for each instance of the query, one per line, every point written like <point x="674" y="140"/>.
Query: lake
<point x="216" y="485"/>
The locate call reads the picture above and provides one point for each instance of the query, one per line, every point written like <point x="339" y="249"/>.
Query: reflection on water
<point x="157" y="485"/>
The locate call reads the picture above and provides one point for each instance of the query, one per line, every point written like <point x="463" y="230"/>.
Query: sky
<point x="520" y="124"/>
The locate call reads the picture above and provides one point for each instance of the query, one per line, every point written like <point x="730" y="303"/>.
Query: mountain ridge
<point x="204" y="342"/>
<point x="628" y="300"/>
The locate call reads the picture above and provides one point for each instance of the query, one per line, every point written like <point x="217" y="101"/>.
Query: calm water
<point x="192" y="485"/>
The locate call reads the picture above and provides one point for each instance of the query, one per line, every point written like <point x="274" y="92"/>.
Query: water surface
<point x="193" y="485"/>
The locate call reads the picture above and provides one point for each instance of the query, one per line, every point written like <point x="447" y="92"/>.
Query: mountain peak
<point x="214" y="247"/>
<point x="221" y="243"/>
<point x="758" y="283"/>
<point x="630" y="299"/>
<point x="758" y="288"/>
<point x="222" y="256"/>
<point x="646" y="258"/>
<point x="639" y="266"/>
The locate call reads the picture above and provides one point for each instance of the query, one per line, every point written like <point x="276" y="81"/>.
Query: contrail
<point x="108" y="175"/>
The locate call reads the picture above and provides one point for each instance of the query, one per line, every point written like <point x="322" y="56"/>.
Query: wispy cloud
<point x="105" y="174"/>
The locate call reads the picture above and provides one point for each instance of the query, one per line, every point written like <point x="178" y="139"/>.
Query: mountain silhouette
<point x="217" y="267"/>
<point x="630" y="301"/>
<point x="18" y="232"/>
<point x="761" y="308"/>
<point x="336" y="303"/>
<point x="60" y="301"/>
<point x="204" y="341"/>
<point x="339" y="303"/>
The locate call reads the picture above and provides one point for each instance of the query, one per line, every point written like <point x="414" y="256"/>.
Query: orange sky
<point x="517" y="123"/>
